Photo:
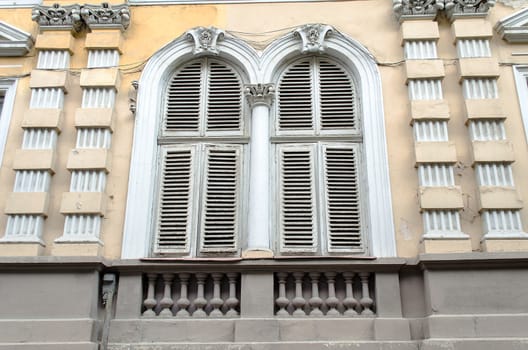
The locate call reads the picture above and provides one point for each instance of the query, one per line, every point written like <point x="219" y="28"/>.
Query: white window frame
<point x="260" y="68"/>
<point x="8" y="88"/>
<point x="521" y="81"/>
<point x="20" y="3"/>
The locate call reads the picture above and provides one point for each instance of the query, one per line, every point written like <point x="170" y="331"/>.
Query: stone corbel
<point x="106" y="16"/>
<point x="260" y="94"/>
<point x="468" y="8"/>
<point x="313" y="37"/>
<point x="417" y="9"/>
<point x="205" y="39"/>
<point x="58" y="17"/>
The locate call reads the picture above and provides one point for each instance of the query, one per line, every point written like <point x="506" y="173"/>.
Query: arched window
<point x="317" y="144"/>
<point x="201" y="146"/>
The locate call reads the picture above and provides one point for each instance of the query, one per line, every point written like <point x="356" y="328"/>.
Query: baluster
<point x="200" y="301"/>
<point x="282" y="302"/>
<point x="350" y="302"/>
<point x="232" y="301"/>
<point x="366" y="301"/>
<point x="315" y="301"/>
<point x="183" y="302"/>
<point x="150" y="302"/>
<point x="331" y="301"/>
<point x="299" y="300"/>
<point x="216" y="301"/>
<point x="167" y="302"/>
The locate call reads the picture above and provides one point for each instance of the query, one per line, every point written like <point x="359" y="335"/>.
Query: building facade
<point x="263" y="174"/>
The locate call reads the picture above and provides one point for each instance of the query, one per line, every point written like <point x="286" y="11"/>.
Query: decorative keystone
<point x="467" y="8"/>
<point x="57" y="17"/>
<point x="313" y="37"/>
<point x="205" y="39"/>
<point x="106" y="16"/>
<point x="260" y="94"/>
<point x="416" y="9"/>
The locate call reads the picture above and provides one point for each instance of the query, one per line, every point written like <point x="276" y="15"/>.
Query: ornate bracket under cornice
<point x="313" y="37"/>
<point x="260" y="94"/>
<point x="13" y="41"/>
<point x="106" y="16"/>
<point x="58" y="17"/>
<point x="416" y="9"/>
<point x="514" y="28"/>
<point x="205" y="39"/>
<point x="467" y="8"/>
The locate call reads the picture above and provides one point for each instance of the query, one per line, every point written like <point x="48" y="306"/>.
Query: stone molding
<point x="313" y="37"/>
<point x="260" y="94"/>
<point x="514" y="28"/>
<point x="106" y="16"/>
<point x="14" y="42"/>
<point x="417" y="9"/>
<point x="205" y="39"/>
<point x="76" y="17"/>
<point x="467" y="8"/>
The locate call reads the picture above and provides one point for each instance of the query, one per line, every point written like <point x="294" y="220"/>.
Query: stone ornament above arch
<point x="259" y="69"/>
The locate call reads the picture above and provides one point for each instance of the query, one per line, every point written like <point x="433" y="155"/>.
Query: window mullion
<point x="204" y="97"/>
<point x="316" y="95"/>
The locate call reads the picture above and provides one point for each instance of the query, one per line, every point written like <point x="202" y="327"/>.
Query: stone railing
<point x="192" y="295"/>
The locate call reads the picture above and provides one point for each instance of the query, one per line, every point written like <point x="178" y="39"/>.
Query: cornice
<point x="417" y="9"/>
<point x="467" y="8"/>
<point x="15" y="43"/>
<point x="58" y="17"/>
<point x="106" y="16"/>
<point x="514" y="28"/>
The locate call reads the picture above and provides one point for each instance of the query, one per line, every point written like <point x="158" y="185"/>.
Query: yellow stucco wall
<point x="371" y="23"/>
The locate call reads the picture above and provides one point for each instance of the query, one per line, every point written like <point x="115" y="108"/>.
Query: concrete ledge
<point x="20" y="249"/>
<point x="43" y="118"/>
<point x="429" y="109"/>
<point x="95" y="118"/>
<point x="100" y="77"/>
<point x="28" y="330"/>
<point x="441" y="197"/>
<point x="34" y="159"/>
<point x="301" y="345"/>
<point x="49" y="79"/>
<point x="435" y="152"/>
<point x="484" y="109"/>
<point x="104" y="39"/>
<point x="35" y="203"/>
<point x="476" y="326"/>
<point x="97" y="159"/>
<point x="481" y="67"/>
<point x="76" y="248"/>
<point x="493" y="151"/>
<point x="50" y="346"/>
<point x="475" y="344"/>
<point x="445" y="246"/>
<point x="469" y="28"/>
<point x="391" y="329"/>
<point x="55" y="41"/>
<point x="83" y="203"/>
<point x="420" y="30"/>
<point x="494" y="197"/>
<point x="505" y="245"/>
<point x="424" y="69"/>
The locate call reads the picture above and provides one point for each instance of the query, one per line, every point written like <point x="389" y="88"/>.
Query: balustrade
<point x="328" y="294"/>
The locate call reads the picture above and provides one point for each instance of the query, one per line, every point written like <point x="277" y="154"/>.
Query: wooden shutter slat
<point x="295" y="98"/>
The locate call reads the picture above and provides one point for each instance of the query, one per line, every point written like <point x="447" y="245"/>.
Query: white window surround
<point x="138" y="230"/>
<point x="19" y="3"/>
<point x="14" y="42"/>
<point x="8" y="89"/>
<point x="521" y="81"/>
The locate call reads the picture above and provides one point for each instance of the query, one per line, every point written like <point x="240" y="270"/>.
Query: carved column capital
<point x="313" y="37"/>
<point x="58" y="17"/>
<point x="205" y="39"/>
<point x="106" y="16"/>
<point x="416" y="9"/>
<point x="467" y="8"/>
<point x="260" y="94"/>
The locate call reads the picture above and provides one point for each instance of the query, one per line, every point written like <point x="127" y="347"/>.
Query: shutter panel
<point x="295" y="98"/>
<point x="224" y="99"/>
<point x="337" y="98"/>
<point x="221" y="198"/>
<point x="341" y="184"/>
<point x="297" y="199"/>
<point x="175" y="203"/>
<point x="183" y="99"/>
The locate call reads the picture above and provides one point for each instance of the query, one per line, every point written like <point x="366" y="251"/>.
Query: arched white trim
<point x="363" y="66"/>
<point x="141" y="186"/>
<point x="138" y="228"/>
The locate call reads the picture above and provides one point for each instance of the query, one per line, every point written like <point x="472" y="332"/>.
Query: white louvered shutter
<point x="221" y="203"/>
<point x="297" y="201"/>
<point x="316" y="96"/>
<point x="342" y="198"/>
<point x="175" y="212"/>
<point x="204" y="98"/>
